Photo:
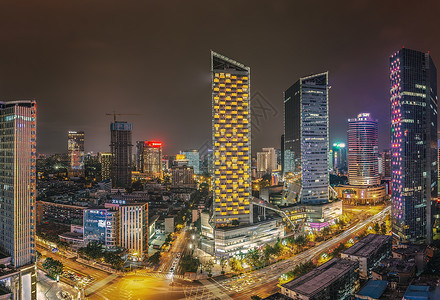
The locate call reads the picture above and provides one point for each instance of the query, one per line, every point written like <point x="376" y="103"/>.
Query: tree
<point x="114" y="260"/>
<point x="376" y="228"/>
<point x="189" y="264"/>
<point x="253" y="258"/>
<point x="53" y="267"/>
<point x="255" y="297"/>
<point x="93" y="250"/>
<point x="208" y="266"/>
<point x="223" y="263"/>
<point x="383" y="228"/>
<point x="155" y="258"/>
<point x="235" y="264"/>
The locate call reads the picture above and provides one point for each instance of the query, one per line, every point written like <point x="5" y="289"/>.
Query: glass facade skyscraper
<point x="306" y="143"/>
<point x="413" y="90"/>
<point x="18" y="198"/>
<point x="193" y="158"/>
<point x="149" y="158"/>
<point x="231" y="136"/>
<point x="363" y="149"/>
<point x="75" y="148"/>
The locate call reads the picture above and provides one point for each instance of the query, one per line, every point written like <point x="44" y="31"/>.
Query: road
<point x="264" y="282"/>
<point x="72" y="265"/>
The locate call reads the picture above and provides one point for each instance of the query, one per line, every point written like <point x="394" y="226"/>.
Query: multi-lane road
<point x="264" y="282"/>
<point x="144" y="284"/>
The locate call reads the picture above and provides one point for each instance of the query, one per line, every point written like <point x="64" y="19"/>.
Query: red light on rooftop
<point x="153" y="144"/>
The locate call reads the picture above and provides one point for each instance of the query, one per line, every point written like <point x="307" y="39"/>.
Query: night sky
<point x="82" y="59"/>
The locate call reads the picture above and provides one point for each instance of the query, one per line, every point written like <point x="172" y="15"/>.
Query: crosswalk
<point x="161" y="275"/>
<point x="198" y="293"/>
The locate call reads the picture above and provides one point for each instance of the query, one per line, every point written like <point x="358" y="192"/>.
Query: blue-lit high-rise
<point x="193" y="158"/>
<point x="413" y="77"/>
<point x="306" y="143"/>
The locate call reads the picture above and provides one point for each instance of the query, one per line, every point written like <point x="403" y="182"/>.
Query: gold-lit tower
<point x="231" y="136"/>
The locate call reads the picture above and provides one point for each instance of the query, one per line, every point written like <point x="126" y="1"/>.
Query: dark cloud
<point x="81" y="59"/>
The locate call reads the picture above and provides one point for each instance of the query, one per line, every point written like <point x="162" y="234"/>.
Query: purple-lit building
<point x="363" y="166"/>
<point x="413" y="77"/>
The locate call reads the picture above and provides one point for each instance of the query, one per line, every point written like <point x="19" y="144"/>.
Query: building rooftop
<point x="368" y="245"/>
<point x="373" y="289"/>
<point x="321" y="277"/>
<point x="394" y="265"/>
<point x="417" y="292"/>
<point x="410" y="249"/>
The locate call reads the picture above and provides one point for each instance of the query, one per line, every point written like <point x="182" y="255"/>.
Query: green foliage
<point x="301" y="269"/>
<point x="189" y="264"/>
<point x="208" y="266"/>
<point x="53" y="267"/>
<point x="114" y="260"/>
<point x="341" y="247"/>
<point x="155" y="258"/>
<point x="383" y="228"/>
<point x="93" y="250"/>
<point x="235" y="264"/>
<point x="376" y="228"/>
<point x="254" y="258"/>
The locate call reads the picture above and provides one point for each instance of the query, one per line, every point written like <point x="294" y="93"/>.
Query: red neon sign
<point x="153" y="144"/>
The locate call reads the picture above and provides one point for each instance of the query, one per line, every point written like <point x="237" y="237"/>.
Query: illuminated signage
<point x="153" y="144"/>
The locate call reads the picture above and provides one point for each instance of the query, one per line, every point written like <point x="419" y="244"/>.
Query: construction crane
<point x="114" y="114"/>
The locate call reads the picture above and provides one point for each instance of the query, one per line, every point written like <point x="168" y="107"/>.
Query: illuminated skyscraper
<point x="193" y="158"/>
<point x="231" y="134"/>
<point x="105" y="159"/>
<point x="75" y="148"/>
<point x="363" y="150"/>
<point x="149" y="158"/>
<point x="339" y="157"/>
<point x="413" y="100"/>
<point x="120" y="147"/>
<point x="17" y="197"/>
<point x="306" y="136"/>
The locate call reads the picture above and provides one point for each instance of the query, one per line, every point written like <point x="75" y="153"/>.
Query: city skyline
<point x="93" y="67"/>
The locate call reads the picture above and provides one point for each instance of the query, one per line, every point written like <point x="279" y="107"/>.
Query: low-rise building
<point x="229" y="241"/>
<point x="336" y="279"/>
<point x="394" y="270"/>
<point x="372" y="290"/>
<point x="369" y="252"/>
<point x="412" y="253"/>
<point x="59" y="212"/>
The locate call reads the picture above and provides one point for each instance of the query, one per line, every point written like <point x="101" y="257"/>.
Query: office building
<point x="101" y="225"/>
<point x="149" y="158"/>
<point x="266" y="161"/>
<point x="306" y="136"/>
<point x="369" y="252"/>
<point x="336" y="279"/>
<point x="193" y="158"/>
<point x="182" y="176"/>
<point x="105" y="159"/>
<point x="339" y="158"/>
<point x="363" y="166"/>
<point x="413" y="99"/>
<point x="121" y="147"/>
<point x="231" y="134"/>
<point x="363" y="150"/>
<point x="386" y="165"/>
<point x="75" y="150"/>
<point x="133" y="220"/>
<point x="18" y="198"/>
<point x="55" y="212"/>
<point x="282" y="155"/>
